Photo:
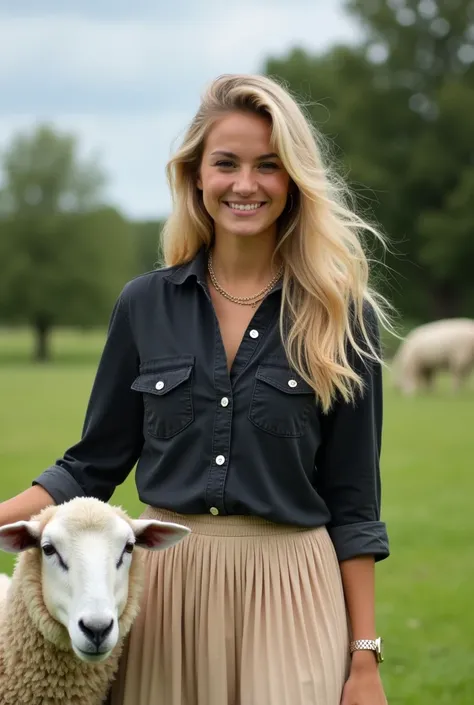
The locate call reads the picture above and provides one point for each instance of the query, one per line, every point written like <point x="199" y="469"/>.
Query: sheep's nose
<point x="96" y="632"/>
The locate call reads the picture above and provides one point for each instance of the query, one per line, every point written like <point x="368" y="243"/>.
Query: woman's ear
<point x="199" y="181"/>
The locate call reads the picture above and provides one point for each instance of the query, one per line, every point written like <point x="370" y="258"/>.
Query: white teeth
<point x="245" y="207"/>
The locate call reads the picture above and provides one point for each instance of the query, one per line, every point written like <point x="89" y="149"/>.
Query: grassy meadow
<point x="425" y="589"/>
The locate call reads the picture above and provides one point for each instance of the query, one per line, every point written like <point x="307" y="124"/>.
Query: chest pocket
<point x="167" y="400"/>
<point x="281" y="402"/>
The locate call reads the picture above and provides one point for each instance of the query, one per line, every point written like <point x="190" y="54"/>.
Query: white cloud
<point x="135" y="52"/>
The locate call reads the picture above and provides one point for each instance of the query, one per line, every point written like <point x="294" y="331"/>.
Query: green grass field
<point x="425" y="589"/>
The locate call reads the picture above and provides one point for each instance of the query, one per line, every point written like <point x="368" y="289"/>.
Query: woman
<point x="245" y="378"/>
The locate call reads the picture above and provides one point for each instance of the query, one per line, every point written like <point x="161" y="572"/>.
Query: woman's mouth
<point x="244" y="208"/>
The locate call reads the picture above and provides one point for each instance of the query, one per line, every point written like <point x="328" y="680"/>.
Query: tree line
<point x="397" y="113"/>
<point x="396" y="110"/>
<point x="65" y="251"/>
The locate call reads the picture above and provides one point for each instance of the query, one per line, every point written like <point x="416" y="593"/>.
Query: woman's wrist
<point x="363" y="661"/>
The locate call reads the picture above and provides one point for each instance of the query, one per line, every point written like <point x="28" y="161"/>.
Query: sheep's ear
<point x="20" y="536"/>
<point x="157" y="535"/>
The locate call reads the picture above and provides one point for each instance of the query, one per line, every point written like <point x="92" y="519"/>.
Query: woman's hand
<point x="364" y="685"/>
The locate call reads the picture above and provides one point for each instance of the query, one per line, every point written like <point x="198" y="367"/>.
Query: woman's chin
<point x="244" y="229"/>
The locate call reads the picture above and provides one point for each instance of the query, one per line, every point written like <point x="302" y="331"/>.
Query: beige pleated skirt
<point x="241" y="612"/>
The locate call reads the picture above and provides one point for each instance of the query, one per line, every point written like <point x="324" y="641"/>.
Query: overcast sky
<point x="126" y="75"/>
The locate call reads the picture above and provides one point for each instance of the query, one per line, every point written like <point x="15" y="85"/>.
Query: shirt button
<point x="214" y="511"/>
<point x="224" y="401"/>
<point x="220" y="460"/>
<point x="159" y="385"/>
<point x="292" y="383"/>
<point x="253" y="333"/>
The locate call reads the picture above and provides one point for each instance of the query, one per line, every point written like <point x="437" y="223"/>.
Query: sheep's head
<point x="83" y="571"/>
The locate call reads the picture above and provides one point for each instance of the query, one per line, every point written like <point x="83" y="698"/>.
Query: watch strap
<point x="367" y="645"/>
<point x="363" y="645"/>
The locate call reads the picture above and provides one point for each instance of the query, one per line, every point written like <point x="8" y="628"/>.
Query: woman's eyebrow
<point x="270" y="155"/>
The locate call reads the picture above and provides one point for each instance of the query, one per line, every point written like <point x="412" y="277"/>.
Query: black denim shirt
<point x="254" y="441"/>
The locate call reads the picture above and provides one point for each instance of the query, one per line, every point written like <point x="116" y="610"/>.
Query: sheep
<point x="5" y="581"/>
<point x="73" y="596"/>
<point x="444" y="344"/>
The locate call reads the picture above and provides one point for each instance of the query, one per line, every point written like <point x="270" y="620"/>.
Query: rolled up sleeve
<point x="112" y="436"/>
<point x="348" y="465"/>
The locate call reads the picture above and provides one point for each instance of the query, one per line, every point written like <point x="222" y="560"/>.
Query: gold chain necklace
<point x="242" y="300"/>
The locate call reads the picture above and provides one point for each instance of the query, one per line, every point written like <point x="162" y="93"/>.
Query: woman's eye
<point x="225" y="164"/>
<point x="268" y="166"/>
<point x="48" y="549"/>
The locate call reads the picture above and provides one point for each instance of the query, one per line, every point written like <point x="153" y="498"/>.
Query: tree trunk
<point x="42" y="329"/>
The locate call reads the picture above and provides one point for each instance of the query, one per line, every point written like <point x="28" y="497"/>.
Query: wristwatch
<point x="375" y="645"/>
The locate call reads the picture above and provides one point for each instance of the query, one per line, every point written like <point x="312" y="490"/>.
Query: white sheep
<point x="441" y="345"/>
<point x="5" y="581"/>
<point x="73" y="596"/>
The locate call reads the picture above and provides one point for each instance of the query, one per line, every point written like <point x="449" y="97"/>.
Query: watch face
<point x="379" y="645"/>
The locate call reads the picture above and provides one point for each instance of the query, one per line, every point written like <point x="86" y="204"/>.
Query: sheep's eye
<point x="129" y="546"/>
<point x="48" y="549"/>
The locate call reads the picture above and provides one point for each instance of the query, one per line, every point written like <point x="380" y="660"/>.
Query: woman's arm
<point x="112" y="436"/>
<point x="364" y="685"/>
<point x="347" y="464"/>
<point x="358" y="578"/>
<point x="348" y="479"/>
<point x="24" y="505"/>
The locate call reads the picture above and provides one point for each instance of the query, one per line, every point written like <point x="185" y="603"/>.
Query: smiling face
<point x="243" y="182"/>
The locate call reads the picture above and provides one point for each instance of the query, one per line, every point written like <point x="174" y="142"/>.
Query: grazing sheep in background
<point x="72" y="599"/>
<point x="442" y="345"/>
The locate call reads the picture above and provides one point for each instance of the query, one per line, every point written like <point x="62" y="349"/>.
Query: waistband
<point x="230" y="525"/>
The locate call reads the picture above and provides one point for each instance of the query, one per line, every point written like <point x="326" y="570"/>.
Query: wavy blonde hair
<point x="326" y="273"/>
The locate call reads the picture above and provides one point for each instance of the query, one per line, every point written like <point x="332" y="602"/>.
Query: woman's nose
<point x="245" y="183"/>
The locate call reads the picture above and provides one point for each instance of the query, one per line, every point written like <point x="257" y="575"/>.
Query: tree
<point x="65" y="255"/>
<point x="43" y="175"/>
<point x="397" y="109"/>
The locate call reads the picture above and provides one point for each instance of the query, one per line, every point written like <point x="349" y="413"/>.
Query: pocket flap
<point x="161" y="382"/>
<point x="283" y="379"/>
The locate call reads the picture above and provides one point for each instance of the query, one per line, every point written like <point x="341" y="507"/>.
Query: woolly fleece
<point x="37" y="664"/>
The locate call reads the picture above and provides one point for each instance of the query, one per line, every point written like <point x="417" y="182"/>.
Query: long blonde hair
<point x="326" y="273"/>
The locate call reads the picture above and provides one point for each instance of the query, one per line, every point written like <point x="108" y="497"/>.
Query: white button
<point x="224" y="401"/>
<point x="292" y="383"/>
<point x="253" y="333"/>
<point x="220" y="460"/>
<point x="214" y="511"/>
<point x="159" y="385"/>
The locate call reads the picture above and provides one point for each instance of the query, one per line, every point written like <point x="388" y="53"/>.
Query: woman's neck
<point x="244" y="265"/>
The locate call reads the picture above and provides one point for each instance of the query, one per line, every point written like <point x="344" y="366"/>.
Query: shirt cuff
<point x="360" y="539"/>
<point x="60" y="484"/>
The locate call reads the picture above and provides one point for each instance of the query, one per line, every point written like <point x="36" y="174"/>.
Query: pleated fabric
<point x="241" y="612"/>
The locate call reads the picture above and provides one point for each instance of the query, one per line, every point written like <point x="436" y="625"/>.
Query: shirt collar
<point x="197" y="267"/>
